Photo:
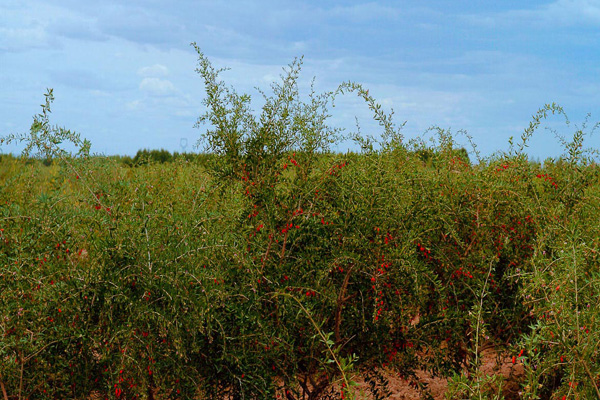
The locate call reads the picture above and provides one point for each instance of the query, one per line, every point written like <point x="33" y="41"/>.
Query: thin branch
<point x="3" y="388"/>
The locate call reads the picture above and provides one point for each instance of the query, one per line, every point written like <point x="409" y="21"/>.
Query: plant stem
<point x="323" y="338"/>
<point x="3" y="388"/>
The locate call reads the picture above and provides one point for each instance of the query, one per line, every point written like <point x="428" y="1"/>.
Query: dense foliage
<point x="276" y="268"/>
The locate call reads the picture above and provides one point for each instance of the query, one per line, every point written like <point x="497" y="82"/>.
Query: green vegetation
<point x="271" y="266"/>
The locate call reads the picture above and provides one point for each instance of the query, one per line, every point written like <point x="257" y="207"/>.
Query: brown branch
<point x="3" y="389"/>
<point x="264" y="260"/>
<point x="318" y="387"/>
<point x="283" y="247"/>
<point x="342" y="298"/>
<point x="288" y="394"/>
<point x="151" y="388"/>
<point x="21" y="376"/>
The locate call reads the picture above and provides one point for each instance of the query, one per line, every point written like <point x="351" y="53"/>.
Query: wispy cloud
<point x="23" y="39"/>
<point x="20" y="33"/>
<point x="556" y="14"/>
<point x="141" y="25"/>
<point x="573" y="12"/>
<point x="364" y="12"/>
<point x="153" y="71"/>
<point x="157" y="87"/>
<point x="482" y="66"/>
<point x="79" y="79"/>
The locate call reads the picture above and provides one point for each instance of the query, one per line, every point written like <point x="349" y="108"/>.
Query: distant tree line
<point x="146" y="156"/>
<point x="161" y="156"/>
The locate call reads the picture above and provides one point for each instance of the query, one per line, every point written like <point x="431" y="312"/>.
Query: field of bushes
<point x="272" y="267"/>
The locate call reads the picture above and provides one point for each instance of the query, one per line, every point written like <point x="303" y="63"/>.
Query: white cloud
<point x="20" y="39"/>
<point x="269" y="78"/>
<point x="143" y="25"/>
<point x="154" y="71"/>
<point x="134" y="105"/>
<point x="364" y="12"/>
<point x="555" y="14"/>
<point x="572" y="12"/>
<point x="184" y="113"/>
<point x="32" y="24"/>
<point x="78" y="79"/>
<point x="100" y="93"/>
<point x="75" y="26"/>
<point x="157" y="87"/>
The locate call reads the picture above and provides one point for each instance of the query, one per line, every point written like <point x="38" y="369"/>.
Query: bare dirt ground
<point x="402" y="390"/>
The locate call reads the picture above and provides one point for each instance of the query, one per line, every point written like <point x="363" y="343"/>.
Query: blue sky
<point x="123" y="72"/>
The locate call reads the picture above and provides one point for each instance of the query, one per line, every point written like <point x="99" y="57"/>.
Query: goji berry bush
<point x="277" y="268"/>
